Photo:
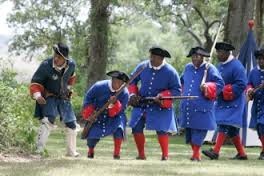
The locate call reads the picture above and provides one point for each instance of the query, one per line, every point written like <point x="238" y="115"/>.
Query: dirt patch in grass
<point x="18" y="157"/>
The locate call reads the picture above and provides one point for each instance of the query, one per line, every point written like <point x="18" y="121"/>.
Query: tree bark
<point x="239" y="12"/>
<point x="259" y="21"/>
<point x="98" y="41"/>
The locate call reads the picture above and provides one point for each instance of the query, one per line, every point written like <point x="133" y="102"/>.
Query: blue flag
<point x="247" y="58"/>
<point x="246" y="55"/>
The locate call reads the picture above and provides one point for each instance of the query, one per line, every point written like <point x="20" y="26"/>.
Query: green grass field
<point x="103" y="164"/>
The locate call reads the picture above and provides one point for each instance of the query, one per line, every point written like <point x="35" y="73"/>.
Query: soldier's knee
<point x="47" y="122"/>
<point x="71" y="125"/>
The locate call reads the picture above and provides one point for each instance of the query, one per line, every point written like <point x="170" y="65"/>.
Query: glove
<point x="228" y="93"/>
<point x="133" y="89"/>
<point x="88" y="111"/>
<point x="134" y="100"/>
<point x="165" y="103"/>
<point x="114" y="109"/>
<point x="209" y="90"/>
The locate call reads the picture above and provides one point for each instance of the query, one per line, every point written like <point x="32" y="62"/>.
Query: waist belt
<point x="64" y="97"/>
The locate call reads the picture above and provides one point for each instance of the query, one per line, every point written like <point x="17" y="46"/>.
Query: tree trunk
<point x="98" y="41"/>
<point x="259" y="21"/>
<point x="239" y="12"/>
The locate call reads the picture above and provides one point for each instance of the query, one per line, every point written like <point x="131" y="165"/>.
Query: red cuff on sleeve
<point x="35" y="87"/>
<point x="72" y="80"/>
<point x="115" y="109"/>
<point x="166" y="103"/>
<point x="210" y="90"/>
<point x="228" y="93"/>
<point x="88" y="111"/>
<point x="133" y="89"/>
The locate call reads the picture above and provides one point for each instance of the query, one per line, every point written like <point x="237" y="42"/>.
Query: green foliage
<point x="41" y="23"/>
<point x="18" y="128"/>
<point x="77" y="101"/>
<point x="133" y="40"/>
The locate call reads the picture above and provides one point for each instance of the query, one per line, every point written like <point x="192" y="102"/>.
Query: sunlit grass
<point x="103" y="164"/>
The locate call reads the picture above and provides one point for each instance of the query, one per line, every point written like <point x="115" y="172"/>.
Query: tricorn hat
<point x="259" y="52"/>
<point x="119" y="75"/>
<point x="198" y="50"/>
<point x="156" y="50"/>
<point x="62" y="50"/>
<point x="224" y="46"/>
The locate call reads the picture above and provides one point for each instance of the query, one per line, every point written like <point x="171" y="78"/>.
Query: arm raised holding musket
<point x="197" y="115"/>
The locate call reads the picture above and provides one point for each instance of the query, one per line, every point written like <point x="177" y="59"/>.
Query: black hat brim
<point x="159" y="52"/>
<point x="118" y="75"/>
<point x="259" y="53"/>
<point x="198" y="50"/>
<point x="56" y="49"/>
<point x="224" y="46"/>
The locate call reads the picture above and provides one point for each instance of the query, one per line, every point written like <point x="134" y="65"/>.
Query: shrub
<point x="18" y="127"/>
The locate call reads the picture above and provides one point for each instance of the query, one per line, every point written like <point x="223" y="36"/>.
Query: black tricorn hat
<point x="62" y="50"/>
<point x="259" y="52"/>
<point x="156" y="50"/>
<point x="198" y="50"/>
<point x="119" y="75"/>
<point x="224" y="46"/>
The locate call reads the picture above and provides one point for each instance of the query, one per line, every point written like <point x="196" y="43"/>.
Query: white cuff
<point x="130" y="95"/>
<point x="36" y="95"/>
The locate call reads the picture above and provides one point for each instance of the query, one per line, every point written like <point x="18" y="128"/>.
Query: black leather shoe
<point x="164" y="158"/>
<point x="261" y="156"/>
<point x="195" y="159"/>
<point x="91" y="156"/>
<point x="211" y="154"/>
<point x="239" y="157"/>
<point x="141" y="158"/>
<point x="116" y="157"/>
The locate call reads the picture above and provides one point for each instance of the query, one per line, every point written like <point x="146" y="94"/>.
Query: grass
<point x="103" y="164"/>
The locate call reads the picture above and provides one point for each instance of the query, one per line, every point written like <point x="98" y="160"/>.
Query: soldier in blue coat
<point x="197" y="116"/>
<point x="255" y="92"/>
<point x="230" y="104"/>
<point x="157" y="79"/>
<point x="113" y="119"/>
<point x="50" y="87"/>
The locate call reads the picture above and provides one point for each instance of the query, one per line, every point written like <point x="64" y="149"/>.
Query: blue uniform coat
<point x="198" y="113"/>
<point x="152" y="83"/>
<point x="231" y="112"/>
<point x="98" y="95"/>
<point x="256" y="77"/>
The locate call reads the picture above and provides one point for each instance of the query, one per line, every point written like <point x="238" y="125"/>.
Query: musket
<point x="209" y="60"/>
<point x="260" y="86"/>
<point x="94" y="116"/>
<point x="170" y="97"/>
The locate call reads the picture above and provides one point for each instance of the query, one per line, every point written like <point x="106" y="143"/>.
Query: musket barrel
<point x="171" y="97"/>
<point x="209" y="60"/>
<point x="93" y="118"/>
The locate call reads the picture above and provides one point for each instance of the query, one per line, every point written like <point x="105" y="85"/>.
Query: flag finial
<point x="250" y="24"/>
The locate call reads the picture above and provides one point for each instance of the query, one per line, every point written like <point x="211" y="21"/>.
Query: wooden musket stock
<point x="94" y="116"/>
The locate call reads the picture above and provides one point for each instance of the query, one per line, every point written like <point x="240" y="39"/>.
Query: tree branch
<point x="213" y="22"/>
<point x="201" y="15"/>
<point x="194" y="36"/>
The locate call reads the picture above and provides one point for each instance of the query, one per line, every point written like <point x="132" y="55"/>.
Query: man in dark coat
<point x="51" y="88"/>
